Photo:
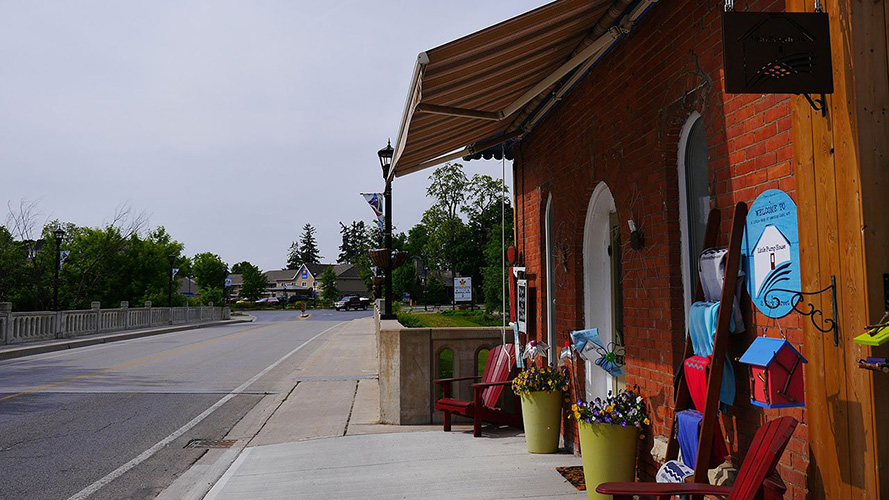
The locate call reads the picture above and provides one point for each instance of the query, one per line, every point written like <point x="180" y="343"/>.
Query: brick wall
<point x="622" y="126"/>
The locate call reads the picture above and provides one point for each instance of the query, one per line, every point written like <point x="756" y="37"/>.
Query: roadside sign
<point x="463" y="289"/>
<point x="522" y="305"/>
<point x="228" y="282"/>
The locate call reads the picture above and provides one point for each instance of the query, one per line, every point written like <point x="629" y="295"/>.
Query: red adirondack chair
<point x="483" y="406"/>
<point x="758" y="466"/>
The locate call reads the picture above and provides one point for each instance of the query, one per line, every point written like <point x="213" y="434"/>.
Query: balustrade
<point x="23" y="327"/>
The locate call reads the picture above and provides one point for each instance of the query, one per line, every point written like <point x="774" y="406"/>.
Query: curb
<point x="30" y="350"/>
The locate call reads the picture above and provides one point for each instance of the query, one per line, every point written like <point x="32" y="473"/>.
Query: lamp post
<point x="385" y="155"/>
<point x="172" y="259"/>
<point x="59" y="234"/>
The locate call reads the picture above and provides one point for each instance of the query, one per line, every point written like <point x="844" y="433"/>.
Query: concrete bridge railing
<point x="23" y="327"/>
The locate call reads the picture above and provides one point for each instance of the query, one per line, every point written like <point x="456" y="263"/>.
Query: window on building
<point x="550" y="282"/>
<point x="694" y="187"/>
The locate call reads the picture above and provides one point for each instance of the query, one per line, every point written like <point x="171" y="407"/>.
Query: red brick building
<point x="642" y="130"/>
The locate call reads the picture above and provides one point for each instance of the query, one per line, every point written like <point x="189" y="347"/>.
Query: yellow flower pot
<point x="608" y="453"/>
<point x="542" y="416"/>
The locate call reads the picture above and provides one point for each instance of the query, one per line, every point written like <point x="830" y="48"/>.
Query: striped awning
<point x="477" y="91"/>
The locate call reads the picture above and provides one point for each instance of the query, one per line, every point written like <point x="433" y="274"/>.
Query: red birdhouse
<point x="776" y="373"/>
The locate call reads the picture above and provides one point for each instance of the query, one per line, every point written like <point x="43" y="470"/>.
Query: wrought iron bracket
<point x="818" y="104"/>
<point x="816" y="316"/>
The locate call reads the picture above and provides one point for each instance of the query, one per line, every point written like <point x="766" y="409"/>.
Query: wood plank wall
<point x="842" y="169"/>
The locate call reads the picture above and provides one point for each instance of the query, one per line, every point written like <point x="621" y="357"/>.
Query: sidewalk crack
<point x="351" y="408"/>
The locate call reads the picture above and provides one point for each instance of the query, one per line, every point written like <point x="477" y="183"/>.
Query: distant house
<point x="348" y="280"/>
<point x="187" y="287"/>
<point x="304" y="282"/>
<point x="287" y="283"/>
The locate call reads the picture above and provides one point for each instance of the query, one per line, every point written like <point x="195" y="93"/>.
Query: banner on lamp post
<point x="377" y="203"/>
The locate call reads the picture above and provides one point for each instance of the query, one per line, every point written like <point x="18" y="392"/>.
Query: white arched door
<point x="597" y="282"/>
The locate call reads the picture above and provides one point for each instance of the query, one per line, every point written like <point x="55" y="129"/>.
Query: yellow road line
<point x="133" y="363"/>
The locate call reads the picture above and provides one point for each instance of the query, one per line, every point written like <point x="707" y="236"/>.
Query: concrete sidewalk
<point x="322" y="439"/>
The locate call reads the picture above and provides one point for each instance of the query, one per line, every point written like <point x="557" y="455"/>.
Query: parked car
<point x="262" y="300"/>
<point x="273" y="300"/>
<point x="353" y="302"/>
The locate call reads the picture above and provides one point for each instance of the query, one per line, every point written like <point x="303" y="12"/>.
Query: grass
<point x="448" y="319"/>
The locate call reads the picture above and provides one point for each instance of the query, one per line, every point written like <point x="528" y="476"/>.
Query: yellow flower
<point x="609" y="408"/>
<point x="646" y="421"/>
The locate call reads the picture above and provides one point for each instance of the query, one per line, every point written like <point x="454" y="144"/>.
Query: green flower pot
<point x="608" y="453"/>
<point x="542" y="416"/>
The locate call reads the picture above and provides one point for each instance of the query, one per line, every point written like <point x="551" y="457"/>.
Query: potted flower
<point x="609" y="431"/>
<point x="541" y="391"/>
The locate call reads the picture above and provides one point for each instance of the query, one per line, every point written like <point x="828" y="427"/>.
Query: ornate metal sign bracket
<point x="824" y="325"/>
<point x="818" y="104"/>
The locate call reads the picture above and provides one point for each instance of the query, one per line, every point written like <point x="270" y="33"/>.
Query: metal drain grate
<point x="210" y="443"/>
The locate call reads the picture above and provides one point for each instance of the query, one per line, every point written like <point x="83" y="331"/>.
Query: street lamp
<point x="385" y="155"/>
<point x="59" y="234"/>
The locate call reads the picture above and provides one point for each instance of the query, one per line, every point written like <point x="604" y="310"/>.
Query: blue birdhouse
<point x="776" y="377"/>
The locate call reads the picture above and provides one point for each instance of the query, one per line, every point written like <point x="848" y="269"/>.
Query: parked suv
<point x="353" y="302"/>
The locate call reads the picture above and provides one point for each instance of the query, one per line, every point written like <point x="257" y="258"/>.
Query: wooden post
<point x="842" y="173"/>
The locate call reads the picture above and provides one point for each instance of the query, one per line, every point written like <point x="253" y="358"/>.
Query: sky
<point x="230" y="123"/>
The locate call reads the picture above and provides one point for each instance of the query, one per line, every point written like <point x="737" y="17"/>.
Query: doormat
<point x="573" y="475"/>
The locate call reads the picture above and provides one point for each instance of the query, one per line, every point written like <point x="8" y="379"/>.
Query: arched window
<point x="694" y="199"/>
<point x="481" y="359"/>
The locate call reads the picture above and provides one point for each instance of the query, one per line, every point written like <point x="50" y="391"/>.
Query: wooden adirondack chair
<point x="753" y="480"/>
<point x="483" y="406"/>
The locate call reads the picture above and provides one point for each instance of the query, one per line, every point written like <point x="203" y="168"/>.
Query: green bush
<point x="409" y="320"/>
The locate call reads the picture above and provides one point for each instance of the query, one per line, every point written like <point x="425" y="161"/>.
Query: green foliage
<point x="329" y="291"/>
<point x="445" y="320"/>
<point x="306" y="251"/>
<point x="404" y="279"/>
<point x="492" y="282"/>
<point x="211" y="296"/>
<point x="253" y="282"/>
<point x="545" y="378"/>
<point x="239" y="267"/>
<point x="435" y="290"/>
<point x="356" y="242"/>
<point x="209" y="270"/>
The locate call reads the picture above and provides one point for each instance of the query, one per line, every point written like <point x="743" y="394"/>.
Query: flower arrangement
<point x="540" y="378"/>
<point x="623" y="409"/>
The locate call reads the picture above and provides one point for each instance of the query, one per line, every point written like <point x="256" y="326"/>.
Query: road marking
<point x="133" y="363"/>
<point x="145" y="455"/>
<point x="303" y="318"/>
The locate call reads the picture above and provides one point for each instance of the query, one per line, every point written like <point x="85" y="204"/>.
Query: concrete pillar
<point x="96" y="307"/>
<point x="5" y="321"/>
<point x="124" y="311"/>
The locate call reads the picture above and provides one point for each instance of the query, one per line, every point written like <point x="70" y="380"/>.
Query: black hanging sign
<point x="777" y="53"/>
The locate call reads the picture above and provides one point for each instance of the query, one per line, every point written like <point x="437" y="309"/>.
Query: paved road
<point x="113" y="420"/>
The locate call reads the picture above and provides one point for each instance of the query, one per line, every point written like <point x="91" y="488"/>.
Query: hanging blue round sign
<point x="771" y="251"/>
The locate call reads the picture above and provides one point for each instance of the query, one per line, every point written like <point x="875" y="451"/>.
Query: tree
<point x="448" y="188"/>
<point x="404" y="279"/>
<point x="209" y="271"/>
<point x="239" y="267"/>
<point x="253" y="282"/>
<point x="306" y="251"/>
<point x="435" y="290"/>
<point x="329" y="291"/>
<point x="492" y="276"/>
<point x="356" y="242"/>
